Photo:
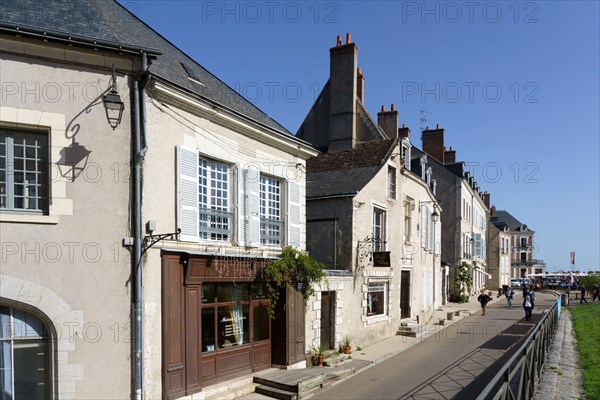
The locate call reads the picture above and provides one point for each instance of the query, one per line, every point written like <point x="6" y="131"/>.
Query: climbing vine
<point x="464" y="280"/>
<point x="291" y="268"/>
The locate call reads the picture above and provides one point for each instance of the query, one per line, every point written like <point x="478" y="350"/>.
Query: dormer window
<point x="428" y="177"/>
<point x="423" y="161"/>
<point x="406" y="154"/>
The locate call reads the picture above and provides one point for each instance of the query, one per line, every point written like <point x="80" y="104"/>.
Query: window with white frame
<point x="23" y="171"/>
<point x="271" y="224"/>
<point x="215" y="220"/>
<point x="392" y="183"/>
<point x="25" y="356"/>
<point x="222" y="201"/>
<point x="378" y="229"/>
<point x="406" y="146"/>
<point x="409" y="203"/>
<point x="377" y="293"/>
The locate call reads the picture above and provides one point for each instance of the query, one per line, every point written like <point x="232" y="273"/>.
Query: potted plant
<point x="317" y="355"/>
<point x="347" y="344"/>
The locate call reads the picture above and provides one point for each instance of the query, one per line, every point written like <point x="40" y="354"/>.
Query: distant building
<point x="522" y="244"/>
<point x="464" y="221"/>
<point x="499" y="257"/>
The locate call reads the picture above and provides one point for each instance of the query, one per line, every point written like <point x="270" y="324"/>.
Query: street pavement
<point x="458" y="359"/>
<point x="455" y="362"/>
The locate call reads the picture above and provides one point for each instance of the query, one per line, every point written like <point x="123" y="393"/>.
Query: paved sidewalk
<point x="378" y="352"/>
<point x="561" y="378"/>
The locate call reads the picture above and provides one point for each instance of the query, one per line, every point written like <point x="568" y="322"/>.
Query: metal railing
<point x="271" y="231"/>
<point x="517" y="379"/>
<point x="215" y="224"/>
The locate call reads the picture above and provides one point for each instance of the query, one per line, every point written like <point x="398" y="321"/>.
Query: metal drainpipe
<point x="138" y="103"/>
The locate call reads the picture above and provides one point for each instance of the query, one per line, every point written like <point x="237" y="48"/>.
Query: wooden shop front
<point x="216" y="324"/>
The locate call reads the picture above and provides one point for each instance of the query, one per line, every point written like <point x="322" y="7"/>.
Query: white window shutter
<point x="438" y="237"/>
<point x="430" y="230"/>
<point x="238" y="209"/>
<point x="252" y="206"/>
<point x="187" y="193"/>
<point x="293" y="238"/>
<point x="423" y="226"/>
<point x="477" y="250"/>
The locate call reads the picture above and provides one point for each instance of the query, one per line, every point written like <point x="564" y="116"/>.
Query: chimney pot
<point x="393" y="108"/>
<point x="437" y="126"/>
<point x="348" y="39"/>
<point x="360" y="85"/>
<point x="404" y="125"/>
<point x="382" y="108"/>
<point x="339" y="41"/>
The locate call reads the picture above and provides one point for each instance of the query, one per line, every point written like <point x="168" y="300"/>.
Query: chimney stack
<point x="404" y="132"/>
<point x="343" y="76"/>
<point x="360" y="85"/>
<point x="493" y="211"/>
<point x="388" y="121"/>
<point x="449" y="156"/>
<point x="486" y="200"/>
<point x="433" y="142"/>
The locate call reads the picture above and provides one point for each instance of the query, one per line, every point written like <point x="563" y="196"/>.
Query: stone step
<point x="232" y="393"/>
<point x="276" y="393"/>
<point x="407" y="331"/>
<point x="311" y="384"/>
<point x="224" y="391"/>
<point x="288" y="387"/>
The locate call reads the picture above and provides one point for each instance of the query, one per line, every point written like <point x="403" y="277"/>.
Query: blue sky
<point x="514" y="84"/>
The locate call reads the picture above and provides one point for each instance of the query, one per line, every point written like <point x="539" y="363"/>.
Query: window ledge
<point x="28" y="219"/>
<point x="377" y="318"/>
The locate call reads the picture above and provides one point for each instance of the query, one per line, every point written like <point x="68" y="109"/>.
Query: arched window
<point x="24" y="356"/>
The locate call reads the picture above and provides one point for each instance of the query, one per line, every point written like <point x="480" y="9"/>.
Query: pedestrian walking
<point x="582" y="295"/>
<point x="528" y="306"/>
<point x="596" y="293"/>
<point x="483" y="299"/>
<point x="509" y="297"/>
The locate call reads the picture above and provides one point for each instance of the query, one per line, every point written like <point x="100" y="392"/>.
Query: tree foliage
<point x="291" y="268"/>
<point x="590" y="280"/>
<point x="464" y="277"/>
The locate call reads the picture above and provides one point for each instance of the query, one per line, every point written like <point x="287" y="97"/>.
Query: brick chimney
<point x="450" y="156"/>
<point x="433" y="142"/>
<point x="486" y="200"/>
<point x="493" y="211"/>
<point x="360" y="85"/>
<point x="343" y="77"/>
<point x="388" y="121"/>
<point x="404" y="132"/>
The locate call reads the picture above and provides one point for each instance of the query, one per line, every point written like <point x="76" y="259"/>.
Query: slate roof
<point x="504" y="218"/>
<point x="346" y="172"/>
<point x="108" y="21"/>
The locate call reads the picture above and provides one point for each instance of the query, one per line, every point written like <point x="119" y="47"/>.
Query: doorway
<point x="405" y="294"/>
<point x="328" y="320"/>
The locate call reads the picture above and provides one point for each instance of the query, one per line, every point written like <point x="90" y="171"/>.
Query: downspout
<point x="138" y="104"/>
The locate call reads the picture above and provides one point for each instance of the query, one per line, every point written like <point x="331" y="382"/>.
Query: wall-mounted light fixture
<point x="113" y="104"/>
